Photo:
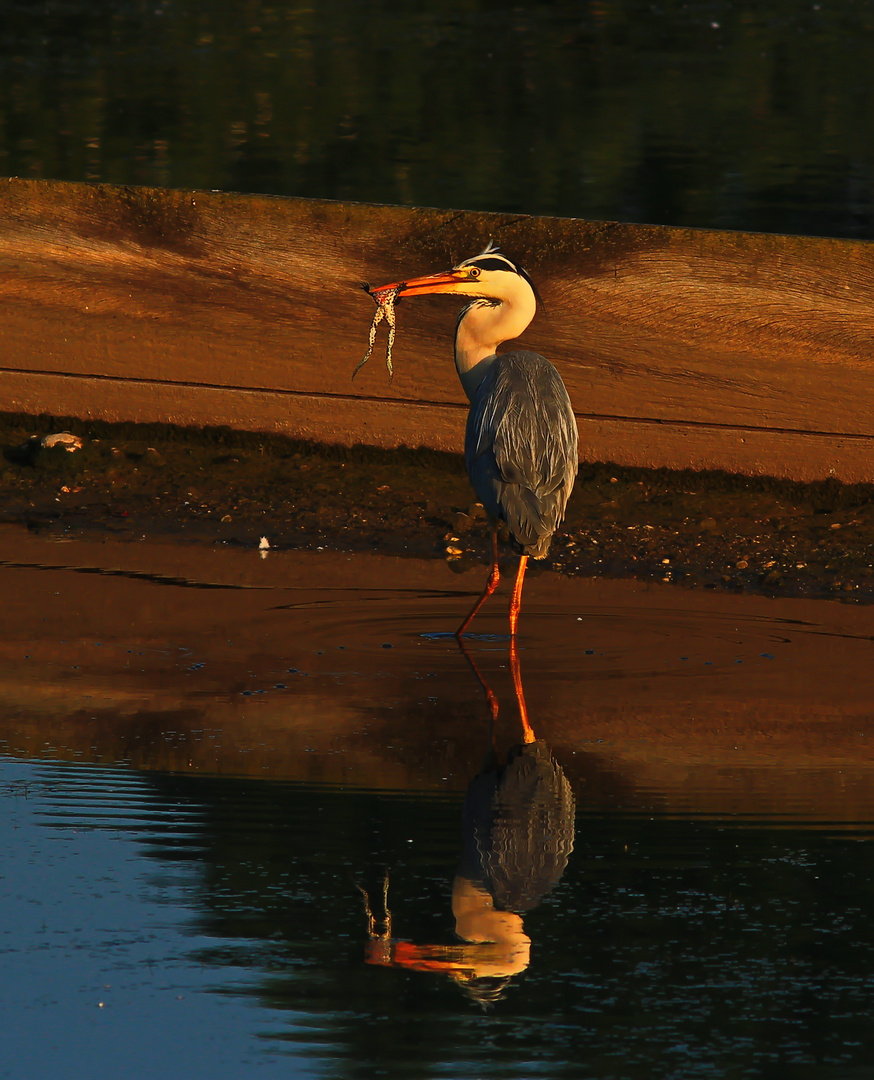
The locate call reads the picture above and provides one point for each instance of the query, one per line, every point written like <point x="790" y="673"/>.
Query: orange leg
<point x="491" y="585"/>
<point x="516" y="599"/>
<point x="528" y="735"/>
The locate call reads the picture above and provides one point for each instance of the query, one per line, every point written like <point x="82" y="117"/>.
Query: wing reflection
<point x="518" y="832"/>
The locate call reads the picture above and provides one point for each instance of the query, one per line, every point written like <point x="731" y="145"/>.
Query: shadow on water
<point x="517" y="836"/>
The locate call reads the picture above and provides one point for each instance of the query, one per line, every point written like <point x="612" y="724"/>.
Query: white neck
<point x="485" y="325"/>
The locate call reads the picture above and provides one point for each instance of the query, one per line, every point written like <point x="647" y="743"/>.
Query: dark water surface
<point x="714" y="113"/>
<point x="162" y="926"/>
<point x="688" y="843"/>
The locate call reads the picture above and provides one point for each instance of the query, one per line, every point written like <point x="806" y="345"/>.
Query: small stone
<point x="69" y="442"/>
<point x="226" y="518"/>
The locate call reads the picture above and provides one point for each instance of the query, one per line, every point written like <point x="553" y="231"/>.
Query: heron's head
<point x="489" y="276"/>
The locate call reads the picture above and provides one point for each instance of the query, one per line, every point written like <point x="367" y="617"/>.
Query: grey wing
<point x="521" y="447"/>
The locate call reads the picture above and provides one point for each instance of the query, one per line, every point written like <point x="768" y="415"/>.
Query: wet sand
<point x="327" y="667"/>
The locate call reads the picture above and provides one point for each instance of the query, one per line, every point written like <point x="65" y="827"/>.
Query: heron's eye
<point x="473" y="272"/>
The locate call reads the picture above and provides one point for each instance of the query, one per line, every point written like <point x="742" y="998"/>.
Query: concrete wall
<point x="680" y="347"/>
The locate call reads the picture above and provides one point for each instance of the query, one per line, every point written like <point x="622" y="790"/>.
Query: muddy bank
<point x="213" y="486"/>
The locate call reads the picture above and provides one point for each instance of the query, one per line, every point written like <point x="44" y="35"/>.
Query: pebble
<point x="69" y="442"/>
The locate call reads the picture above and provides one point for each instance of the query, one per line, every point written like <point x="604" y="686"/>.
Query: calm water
<point x="162" y="926"/>
<point x="714" y="113"/>
<point x="675" y="882"/>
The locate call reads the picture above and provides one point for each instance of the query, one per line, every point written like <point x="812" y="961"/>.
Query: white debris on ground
<point x="70" y="443"/>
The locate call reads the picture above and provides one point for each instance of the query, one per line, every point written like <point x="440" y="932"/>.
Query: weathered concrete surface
<point x="681" y="348"/>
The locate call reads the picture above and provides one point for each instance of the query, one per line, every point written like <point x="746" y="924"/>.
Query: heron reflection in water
<point x="518" y="831"/>
<point x="520" y="445"/>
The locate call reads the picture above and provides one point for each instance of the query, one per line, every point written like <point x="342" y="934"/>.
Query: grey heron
<point x="521" y="437"/>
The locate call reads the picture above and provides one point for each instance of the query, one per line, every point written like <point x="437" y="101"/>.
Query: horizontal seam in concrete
<point x="423" y="403"/>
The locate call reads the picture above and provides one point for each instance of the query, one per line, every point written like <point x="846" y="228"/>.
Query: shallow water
<point x="207" y="756"/>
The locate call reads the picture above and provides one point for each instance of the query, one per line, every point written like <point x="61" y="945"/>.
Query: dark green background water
<point x="736" y="115"/>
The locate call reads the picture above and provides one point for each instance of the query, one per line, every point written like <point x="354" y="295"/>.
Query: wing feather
<point x="521" y="447"/>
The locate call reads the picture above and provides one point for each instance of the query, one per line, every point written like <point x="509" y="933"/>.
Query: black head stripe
<point x="492" y="259"/>
<point x="492" y="262"/>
